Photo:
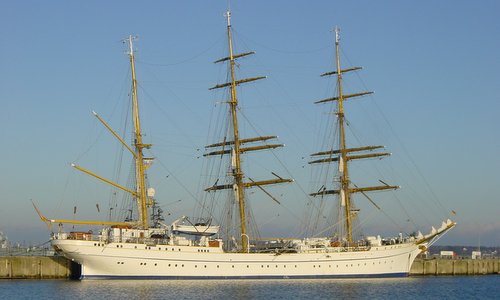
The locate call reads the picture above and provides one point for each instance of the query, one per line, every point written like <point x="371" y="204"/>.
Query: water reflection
<point x="413" y="288"/>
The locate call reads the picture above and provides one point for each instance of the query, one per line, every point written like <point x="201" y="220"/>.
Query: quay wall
<point x="455" y="266"/>
<point x="41" y="267"/>
<point x="56" y="267"/>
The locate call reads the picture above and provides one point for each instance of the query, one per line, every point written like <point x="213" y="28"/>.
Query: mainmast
<point x="341" y="155"/>
<point x="236" y="150"/>
<point x="238" y="175"/>
<point x="141" y="195"/>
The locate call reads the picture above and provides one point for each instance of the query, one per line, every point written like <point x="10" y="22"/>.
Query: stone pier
<point x="56" y="267"/>
<point x="41" y="267"/>
<point x="455" y="266"/>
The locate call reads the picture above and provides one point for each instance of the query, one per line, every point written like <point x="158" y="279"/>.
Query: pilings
<point x="41" y="267"/>
<point x="455" y="266"/>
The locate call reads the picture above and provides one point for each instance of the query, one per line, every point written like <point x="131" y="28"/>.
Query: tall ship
<point x="194" y="248"/>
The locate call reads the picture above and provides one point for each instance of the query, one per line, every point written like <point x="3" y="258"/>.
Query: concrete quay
<point x="57" y="267"/>
<point x="455" y="266"/>
<point x="37" y="267"/>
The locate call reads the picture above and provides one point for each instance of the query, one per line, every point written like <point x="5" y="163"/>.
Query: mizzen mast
<point x="141" y="194"/>
<point x="141" y="162"/>
<point x="235" y="149"/>
<point x="343" y="155"/>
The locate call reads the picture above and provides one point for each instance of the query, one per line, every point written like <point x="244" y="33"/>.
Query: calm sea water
<point x="458" y="287"/>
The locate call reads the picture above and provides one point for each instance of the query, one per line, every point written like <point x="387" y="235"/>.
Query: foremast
<point x="236" y="149"/>
<point x="341" y="155"/>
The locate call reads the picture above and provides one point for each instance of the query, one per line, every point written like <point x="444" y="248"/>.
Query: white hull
<point x="124" y="260"/>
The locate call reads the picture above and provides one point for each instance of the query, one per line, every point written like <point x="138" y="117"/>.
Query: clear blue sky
<point x="434" y="66"/>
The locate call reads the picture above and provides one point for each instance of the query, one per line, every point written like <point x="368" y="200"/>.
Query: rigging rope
<point x="405" y="150"/>
<point x="282" y="51"/>
<point x="185" y="60"/>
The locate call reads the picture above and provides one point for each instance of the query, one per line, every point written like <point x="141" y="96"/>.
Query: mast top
<point x="228" y="16"/>
<point x="129" y="40"/>
<point x="337" y="35"/>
